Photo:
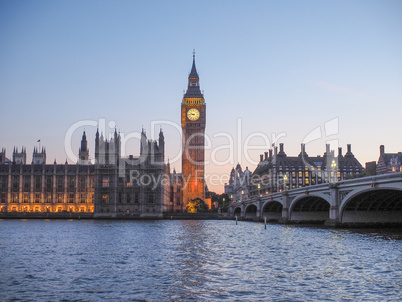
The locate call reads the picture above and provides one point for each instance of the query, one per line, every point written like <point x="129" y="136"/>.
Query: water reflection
<point x="195" y="261"/>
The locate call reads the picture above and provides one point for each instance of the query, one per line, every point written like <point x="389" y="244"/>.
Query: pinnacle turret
<point x="193" y="88"/>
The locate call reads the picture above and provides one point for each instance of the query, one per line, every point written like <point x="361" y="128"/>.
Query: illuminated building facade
<point x="193" y="121"/>
<point x="39" y="187"/>
<point x="239" y="181"/>
<point x="389" y="162"/>
<point x="277" y="172"/>
<point x="113" y="186"/>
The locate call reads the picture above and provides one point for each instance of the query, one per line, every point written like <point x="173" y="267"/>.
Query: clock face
<point x="193" y="114"/>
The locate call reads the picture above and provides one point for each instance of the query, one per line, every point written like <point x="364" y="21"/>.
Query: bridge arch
<point x="372" y="205"/>
<point x="272" y="210"/>
<point x="310" y="208"/>
<point x="237" y="211"/>
<point x="250" y="212"/>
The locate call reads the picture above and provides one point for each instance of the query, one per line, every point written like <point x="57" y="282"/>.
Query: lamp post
<point x="333" y="166"/>
<point x="285" y="179"/>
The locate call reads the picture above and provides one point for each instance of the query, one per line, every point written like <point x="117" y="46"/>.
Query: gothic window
<point x="60" y="183"/>
<point x="71" y="198"/>
<point x="16" y="182"/>
<point x="37" y="198"/>
<point x="14" y="198"/>
<point x="82" y="198"/>
<point x="105" y="198"/>
<point x="82" y="183"/>
<point x="48" y="182"/>
<point x="71" y="182"/>
<point x="105" y="182"/>
<point x="37" y="182"/>
<point x="4" y="182"/>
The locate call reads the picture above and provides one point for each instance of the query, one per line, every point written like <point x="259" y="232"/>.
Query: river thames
<point x="195" y="260"/>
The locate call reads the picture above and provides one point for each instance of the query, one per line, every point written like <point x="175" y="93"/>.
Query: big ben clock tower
<point x="193" y="118"/>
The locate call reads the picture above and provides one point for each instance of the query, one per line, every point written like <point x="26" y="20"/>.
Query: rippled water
<point x="194" y="261"/>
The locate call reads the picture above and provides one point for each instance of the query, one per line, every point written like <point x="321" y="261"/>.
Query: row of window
<point x="105" y="198"/>
<point x="47" y="198"/>
<point x="48" y="209"/>
<point x="48" y="182"/>
<point x="318" y="168"/>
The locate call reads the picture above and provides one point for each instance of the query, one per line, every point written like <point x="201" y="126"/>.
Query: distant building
<point x="133" y="185"/>
<point x="276" y="172"/>
<point x="371" y="168"/>
<point x="389" y="162"/>
<point x="39" y="187"/>
<point x="238" y="187"/>
<point x="112" y="186"/>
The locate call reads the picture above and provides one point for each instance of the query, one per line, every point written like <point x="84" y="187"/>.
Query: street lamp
<point x="333" y="166"/>
<point x="285" y="179"/>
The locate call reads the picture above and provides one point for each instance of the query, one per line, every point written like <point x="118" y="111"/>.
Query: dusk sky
<point x="279" y="68"/>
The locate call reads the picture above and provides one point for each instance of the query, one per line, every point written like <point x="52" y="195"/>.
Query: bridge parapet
<point x="336" y="194"/>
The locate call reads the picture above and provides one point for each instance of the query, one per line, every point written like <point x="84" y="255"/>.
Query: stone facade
<point x="134" y="186"/>
<point x="239" y="181"/>
<point x="277" y="172"/>
<point x="113" y="186"/>
<point x="389" y="162"/>
<point x="193" y="121"/>
<point x="39" y="187"/>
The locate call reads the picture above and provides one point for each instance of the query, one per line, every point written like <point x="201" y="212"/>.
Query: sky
<point x="272" y="72"/>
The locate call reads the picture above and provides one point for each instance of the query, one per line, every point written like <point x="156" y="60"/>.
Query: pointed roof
<point x="193" y="72"/>
<point x="193" y="88"/>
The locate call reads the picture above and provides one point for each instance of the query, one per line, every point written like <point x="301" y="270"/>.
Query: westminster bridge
<point x="372" y="199"/>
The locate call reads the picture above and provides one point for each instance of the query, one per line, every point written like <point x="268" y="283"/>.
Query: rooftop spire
<point x="193" y="88"/>
<point x="193" y="72"/>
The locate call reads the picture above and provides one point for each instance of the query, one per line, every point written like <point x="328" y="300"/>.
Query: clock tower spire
<point x="193" y="121"/>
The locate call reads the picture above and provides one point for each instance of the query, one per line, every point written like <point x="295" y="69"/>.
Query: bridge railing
<point x="368" y="180"/>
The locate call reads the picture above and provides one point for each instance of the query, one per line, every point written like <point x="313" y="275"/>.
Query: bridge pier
<point x="258" y="215"/>
<point x="285" y="210"/>
<point x="243" y="211"/>
<point x="335" y="205"/>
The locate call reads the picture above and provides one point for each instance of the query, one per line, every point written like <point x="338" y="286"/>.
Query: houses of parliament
<point x="111" y="186"/>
